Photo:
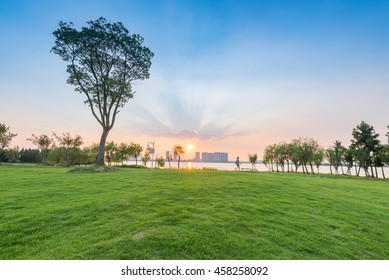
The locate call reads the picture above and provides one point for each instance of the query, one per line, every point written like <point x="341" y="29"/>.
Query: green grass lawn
<point x="51" y="213"/>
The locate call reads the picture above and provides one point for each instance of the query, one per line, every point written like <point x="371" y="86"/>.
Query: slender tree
<point x="70" y="145"/>
<point x="318" y="158"/>
<point x="146" y="156"/>
<point x="348" y="159"/>
<point x="123" y="151"/>
<point x="44" y="144"/>
<point x="5" y="136"/>
<point x="179" y="151"/>
<point x="253" y="160"/>
<point x="103" y="61"/>
<point x="111" y="152"/>
<point x="365" y="143"/>
<point x="135" y="150"/>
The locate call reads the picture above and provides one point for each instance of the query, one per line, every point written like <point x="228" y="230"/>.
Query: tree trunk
<point x="383" y="172"/>
<point x="100" y="156"/>
<point x="306" y="168"/>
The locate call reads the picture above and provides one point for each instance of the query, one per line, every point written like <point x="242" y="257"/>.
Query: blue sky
<point x="234" y="75"/>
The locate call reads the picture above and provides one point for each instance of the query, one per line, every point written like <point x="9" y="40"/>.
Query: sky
<point x="227" y="76"/>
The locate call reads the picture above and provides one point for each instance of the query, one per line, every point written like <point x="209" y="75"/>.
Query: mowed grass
<point x="51" y="213"/>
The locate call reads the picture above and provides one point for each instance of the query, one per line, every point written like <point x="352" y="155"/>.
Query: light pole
<point x="152" y="152"/>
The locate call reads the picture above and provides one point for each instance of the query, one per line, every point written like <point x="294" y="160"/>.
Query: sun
<point x="189" y="147"/>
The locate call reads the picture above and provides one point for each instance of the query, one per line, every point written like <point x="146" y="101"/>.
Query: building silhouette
<point x="213" y="157"/>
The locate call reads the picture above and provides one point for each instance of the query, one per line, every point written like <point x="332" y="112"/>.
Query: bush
<point x="132" y="166"/>
<point x="93" y="169"/>
<point x="30" y="156"/>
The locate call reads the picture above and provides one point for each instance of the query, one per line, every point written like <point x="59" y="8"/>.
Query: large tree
<point x="103" y="61"/>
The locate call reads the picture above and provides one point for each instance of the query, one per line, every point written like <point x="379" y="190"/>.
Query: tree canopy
<point x="103" y="61"/>
<point x="5" y="136"/>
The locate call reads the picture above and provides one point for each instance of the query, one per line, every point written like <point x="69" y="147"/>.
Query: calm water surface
<point x="324" y="169"/>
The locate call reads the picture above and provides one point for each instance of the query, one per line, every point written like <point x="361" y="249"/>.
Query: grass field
<point x="51" y="213"/>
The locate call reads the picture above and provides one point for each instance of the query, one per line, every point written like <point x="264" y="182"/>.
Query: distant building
<point x="197" y="156"/>
<point x="167" y="155"/>
<point x="206" y="157"/>
<point x="214" y="157"/>
<point x="220" y="157"/>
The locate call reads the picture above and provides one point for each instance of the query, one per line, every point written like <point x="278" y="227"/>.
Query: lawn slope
<point x="51" y="213"/>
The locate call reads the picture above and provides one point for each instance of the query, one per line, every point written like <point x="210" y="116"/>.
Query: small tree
<point x="30" y="156"/>
<point x="179" y="151"/>
<point x="71" y="147"/>
<point x="111" y="152"/>
<point x="44" y="144"/>
<point x="5" y="136"/>
<point x="318" y="158"/>
<point x="348" y="159"/>
<point x="146" y="157"/>
<point x="169" y="159"/>
<point x="253" y="160"/>
<point x="13" y="155"/>
<point x="135" y="150"/>
<point x="160" y="162"/>
<point x="123" y="151"/>
<point x="365" y="143"/>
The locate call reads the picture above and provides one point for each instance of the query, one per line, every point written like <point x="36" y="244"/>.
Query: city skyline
<point x="232" y="76"/>
<point x="200" y="156"/>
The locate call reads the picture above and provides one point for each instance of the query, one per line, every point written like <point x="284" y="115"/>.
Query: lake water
<point x="230" y="166"/>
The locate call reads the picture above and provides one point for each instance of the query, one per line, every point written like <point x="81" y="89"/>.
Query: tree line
<point x="66" y="150"/>
<point x="365" y="152"/>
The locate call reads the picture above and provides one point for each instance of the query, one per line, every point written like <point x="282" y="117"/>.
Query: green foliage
<point x="135" y="150"/>
<point x="10" y="155"/>
<point x="179" y="151"/>
<point x="30" y="156"/>
<point x="300" y="152"/>
<point x="335" y="156"/>
<point x="365" y="144"/>
<point x="253" y="159"/>
<point x="160" y="162"/>
<point x="3" y="155"/>
<point x="132" y="166"/>
<point x="179" y="214"/>
<point x="69" y="152"/>
<point x="66" y="156"/>
<point x="103" y="61"/>
<point x="5" y="136"/>
<point x="146" y="156"/>
<point x="44" y="144"/>
<point x="92" y="169"/>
